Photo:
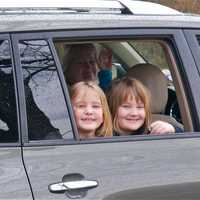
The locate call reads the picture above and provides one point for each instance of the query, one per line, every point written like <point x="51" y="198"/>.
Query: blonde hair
<point x="106" y="128"/>
<point x="120" y="91"/>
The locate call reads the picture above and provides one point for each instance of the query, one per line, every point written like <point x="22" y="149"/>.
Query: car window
<point x="8" y="115"/>
<point x="130" y="54"/>
<point x="47" y="113"/>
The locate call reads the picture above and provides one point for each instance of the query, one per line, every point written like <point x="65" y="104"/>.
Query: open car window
<point x="126" y="54"/>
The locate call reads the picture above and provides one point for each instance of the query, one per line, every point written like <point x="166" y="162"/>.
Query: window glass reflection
<point x="8" y="115"/>
<point x="46" y="108"/>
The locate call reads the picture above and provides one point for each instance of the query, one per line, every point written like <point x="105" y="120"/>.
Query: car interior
<point x="154" y="62"/>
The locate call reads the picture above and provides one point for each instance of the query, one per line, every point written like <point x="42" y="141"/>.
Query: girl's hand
<point x="161" y="127"/>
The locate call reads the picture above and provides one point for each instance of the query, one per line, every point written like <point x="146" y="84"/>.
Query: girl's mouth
<point x="132" y="119"/>
<point x="88" y="119"/>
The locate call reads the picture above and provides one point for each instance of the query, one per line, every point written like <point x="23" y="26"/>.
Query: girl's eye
<point x="96" y="106"/>
<point x="140" y="106"/>
<point x="125" y="106"/>
<point x="81" y="106"/>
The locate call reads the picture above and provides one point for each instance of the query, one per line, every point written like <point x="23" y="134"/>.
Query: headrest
<point x="153" y="78"/>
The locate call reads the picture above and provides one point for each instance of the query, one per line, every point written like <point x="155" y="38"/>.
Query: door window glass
<point x="47" y="113"/>
<point x="8" y="116"/>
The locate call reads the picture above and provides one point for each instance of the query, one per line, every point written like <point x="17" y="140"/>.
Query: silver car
<point x="42" y="156"/>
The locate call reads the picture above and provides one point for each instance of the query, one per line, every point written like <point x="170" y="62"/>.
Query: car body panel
<point x="13" y="180"/>
<point x="38" y="22"/>
<point x="116" y="166"/>
<point x="173" y="191"/>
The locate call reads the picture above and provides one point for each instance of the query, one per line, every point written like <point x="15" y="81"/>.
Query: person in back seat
<point x="129" y="102"/>
<point x="105" y="66"/>
<point x="82" y="63"/>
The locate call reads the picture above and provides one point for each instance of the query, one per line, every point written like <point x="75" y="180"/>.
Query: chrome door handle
<point x="72" y="185"/>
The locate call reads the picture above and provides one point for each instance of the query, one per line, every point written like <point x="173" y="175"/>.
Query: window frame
<point x="24" y="124"/>
<point x="181" y="48"/>
<point x="191" y="37"/>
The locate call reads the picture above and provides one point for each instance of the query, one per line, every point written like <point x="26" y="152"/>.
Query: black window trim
<point x="192" y="36"/>
<point x="21" y="93"/>
<point x="103" y="34"/>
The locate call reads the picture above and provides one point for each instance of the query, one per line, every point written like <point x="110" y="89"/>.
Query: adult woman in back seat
<point x="83" y="64"/>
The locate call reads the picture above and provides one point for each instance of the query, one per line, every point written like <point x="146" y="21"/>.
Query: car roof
<point x="135" y="7"/>
<point x="63" y="15"/>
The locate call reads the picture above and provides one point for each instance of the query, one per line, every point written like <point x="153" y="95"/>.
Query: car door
<point x="112" y="168"/>
<point x="13" y="180"/>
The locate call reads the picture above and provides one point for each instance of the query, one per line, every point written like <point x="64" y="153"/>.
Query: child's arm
<point x="161" y="127"/>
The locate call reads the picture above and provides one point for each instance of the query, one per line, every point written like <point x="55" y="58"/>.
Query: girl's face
<point x="88" y="112"/>
<point x="130" y="116"/>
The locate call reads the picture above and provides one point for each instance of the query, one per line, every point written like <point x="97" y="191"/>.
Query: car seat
<point x="153" y="78"/>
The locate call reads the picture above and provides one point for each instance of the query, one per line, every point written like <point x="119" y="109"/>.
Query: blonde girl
<point x="129" y="102"/>
<point x="91" y="110"/>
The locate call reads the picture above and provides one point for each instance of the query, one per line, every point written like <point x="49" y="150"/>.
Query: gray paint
<point x="16" y="23"/>
<point x="182" y="191"/>
<point x="116" y="166"/>
<point x="13" y="180"/>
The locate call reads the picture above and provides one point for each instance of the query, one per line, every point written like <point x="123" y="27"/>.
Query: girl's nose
<point x="88" y="110"/>
<point x="134" y="111"/>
